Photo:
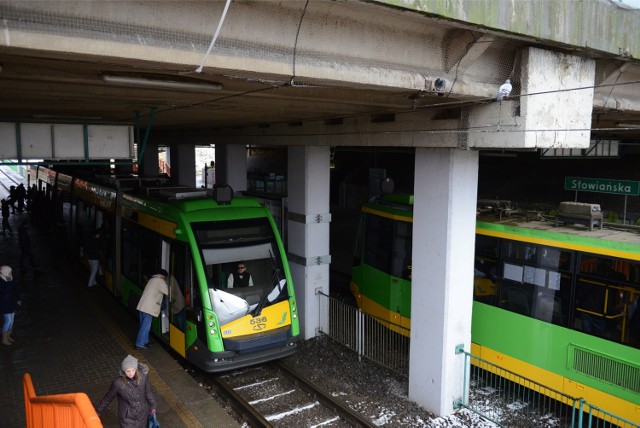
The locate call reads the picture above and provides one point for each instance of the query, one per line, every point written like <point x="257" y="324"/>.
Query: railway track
<point x="273" y="395"/>
<point x="8" y="178"/>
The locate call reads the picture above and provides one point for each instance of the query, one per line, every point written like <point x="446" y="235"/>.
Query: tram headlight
<point x="211" y="323"/>
<point x="212" y="332"/>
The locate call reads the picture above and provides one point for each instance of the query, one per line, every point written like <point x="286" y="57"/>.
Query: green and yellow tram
<point x="555" y="304"/>
<point x="199" y="237"/>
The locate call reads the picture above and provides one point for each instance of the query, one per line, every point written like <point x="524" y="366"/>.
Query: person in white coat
<point x="150" y="305"/>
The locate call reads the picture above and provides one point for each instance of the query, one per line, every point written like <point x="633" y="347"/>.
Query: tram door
<point x="179" y="268"/>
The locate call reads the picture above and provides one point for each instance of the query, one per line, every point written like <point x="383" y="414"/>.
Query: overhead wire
<point x="295" y="44"/>
<point x="215" y="37"/>
<point x="411" y="107"/>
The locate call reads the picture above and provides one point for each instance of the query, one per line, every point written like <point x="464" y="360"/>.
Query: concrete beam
<point x="598" y="25"/>
<point x="553" y="109"/>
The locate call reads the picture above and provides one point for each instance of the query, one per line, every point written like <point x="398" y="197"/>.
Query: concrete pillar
<point x="442" y="274"/>
<point x="553" y="114"/>
<point x="183" y="164"/>
<point x="308" y="226"/>
<point x="231" y="166"/>
<point x="149" y="162"/>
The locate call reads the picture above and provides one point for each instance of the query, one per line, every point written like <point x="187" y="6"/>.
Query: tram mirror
<point x="387" y="185"/>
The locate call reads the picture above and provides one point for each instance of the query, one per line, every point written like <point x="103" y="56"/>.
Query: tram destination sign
<point x="602" y="185"/>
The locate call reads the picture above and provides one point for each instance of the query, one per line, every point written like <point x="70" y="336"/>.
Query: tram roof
<point x="613" y="239"/>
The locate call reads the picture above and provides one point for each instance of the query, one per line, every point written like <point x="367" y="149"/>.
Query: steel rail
<point x="240" y="405"/>
<point x="343" y="410"/>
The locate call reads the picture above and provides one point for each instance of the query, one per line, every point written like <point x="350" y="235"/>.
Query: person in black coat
<point x="9" y="301"/>
<point x="5" y="218"/>
<point x="21" y="194"/>
<point x="12" y="199"/>
<point x="135" y="398"/>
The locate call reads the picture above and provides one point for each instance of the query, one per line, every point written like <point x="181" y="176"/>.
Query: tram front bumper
<point x="215" y="362"/>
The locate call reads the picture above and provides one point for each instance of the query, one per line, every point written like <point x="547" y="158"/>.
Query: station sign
<point x="602" y="185"/>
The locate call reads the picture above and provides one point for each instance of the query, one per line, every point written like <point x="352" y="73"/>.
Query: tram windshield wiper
<point x="269" y="298"/>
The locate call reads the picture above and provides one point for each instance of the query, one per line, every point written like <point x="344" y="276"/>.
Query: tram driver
<point x="240" y="277"/>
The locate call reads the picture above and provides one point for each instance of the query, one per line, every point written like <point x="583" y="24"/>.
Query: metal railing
<point x="510" y="400"/>
<point x="494" y="393"/>
<point x="368" y="336"/>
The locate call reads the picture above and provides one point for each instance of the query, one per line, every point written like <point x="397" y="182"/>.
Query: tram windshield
<point x="242" y="266"/>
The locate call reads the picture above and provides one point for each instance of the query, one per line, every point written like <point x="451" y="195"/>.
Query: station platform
<point x="71" y="339"/>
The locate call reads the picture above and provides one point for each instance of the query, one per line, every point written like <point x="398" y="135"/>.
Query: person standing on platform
<point x="5" y="218"/>
<point x="9" y="302"/>
<point x="150" y="305"/>
<point x="135" y="397"/>
<point x="93" y="256"/>
<point x="240" y="278"/>
<point x="21" y="194"/>
<point x="12" y="199"/>
<point x="25" y="245"/>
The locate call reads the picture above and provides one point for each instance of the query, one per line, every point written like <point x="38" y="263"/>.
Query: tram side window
<point x="550" y="302"/>
<point x="485" y="280"/>
<point x="604" y="298"/>
<point x="515" y="295"/>
<point x="401" y="262"/>
<point x="487" y="246"/>
<point x="357" y="255"/>
<point x="520" y="251"/>
<point x="130" y="260"/>
<point x="378" y="252"/>
<point x="150" y="255"/>
<point x="553" y="281"/>
<point x="536" y="281"/>
<point x="141" y="254"/>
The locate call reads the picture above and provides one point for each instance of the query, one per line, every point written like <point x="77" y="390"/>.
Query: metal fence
<point x="501" y="396"/>
<point x="369" y="337"/>
<point x="514" y="401"/>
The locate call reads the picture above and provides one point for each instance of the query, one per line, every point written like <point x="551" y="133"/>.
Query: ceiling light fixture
<point x="62" y="117"/>
<point x="627" y="125"/>
<point x="140" y="82"/>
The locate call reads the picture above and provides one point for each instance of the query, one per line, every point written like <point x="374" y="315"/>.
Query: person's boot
<point x="5" y="338"/>
<point x="11" y="339"/>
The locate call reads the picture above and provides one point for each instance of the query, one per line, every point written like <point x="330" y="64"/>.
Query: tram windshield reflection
<point x="223" y="245"/>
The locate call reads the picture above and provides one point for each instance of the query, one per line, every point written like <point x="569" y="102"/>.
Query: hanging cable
<point x="215" y="36"/>
<point x="295" y="45"/>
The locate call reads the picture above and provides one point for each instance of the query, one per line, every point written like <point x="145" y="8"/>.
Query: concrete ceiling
<point x="40" y="89"/>
<point x="47" y="85"/>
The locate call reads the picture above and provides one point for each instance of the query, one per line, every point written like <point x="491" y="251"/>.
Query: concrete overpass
<point x="316" y="74"/>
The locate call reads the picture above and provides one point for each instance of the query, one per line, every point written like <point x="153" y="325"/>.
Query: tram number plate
<point x="258" y="323"/>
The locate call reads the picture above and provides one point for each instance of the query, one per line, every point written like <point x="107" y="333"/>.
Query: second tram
<point x="558" y="305"/>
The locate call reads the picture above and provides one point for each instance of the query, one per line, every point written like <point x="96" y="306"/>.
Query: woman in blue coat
<point x="9" y="301"/>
